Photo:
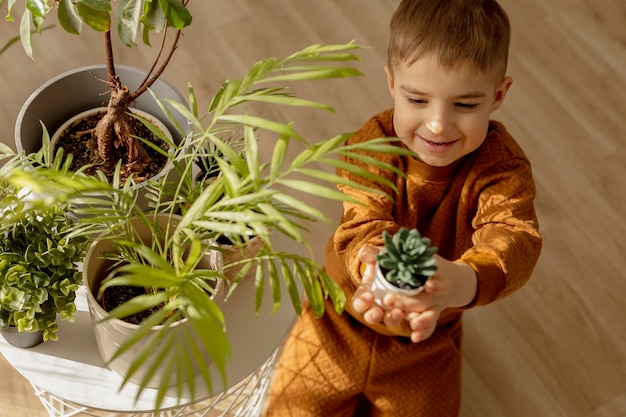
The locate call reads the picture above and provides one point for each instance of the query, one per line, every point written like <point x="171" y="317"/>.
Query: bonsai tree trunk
<point x="114" y="134"/>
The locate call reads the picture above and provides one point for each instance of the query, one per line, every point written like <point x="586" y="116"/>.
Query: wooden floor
<point x="557" y="348"/>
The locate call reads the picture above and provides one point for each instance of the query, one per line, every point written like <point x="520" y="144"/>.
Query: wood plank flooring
<point x="557" y="348"/>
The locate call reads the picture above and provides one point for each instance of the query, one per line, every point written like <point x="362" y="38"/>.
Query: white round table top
<point x="72" y="369"/>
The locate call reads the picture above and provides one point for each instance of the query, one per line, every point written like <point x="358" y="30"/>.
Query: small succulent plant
<point x="407" y="260"/>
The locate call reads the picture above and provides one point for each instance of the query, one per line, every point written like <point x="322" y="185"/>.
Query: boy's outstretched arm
<point x="454" y="285"/>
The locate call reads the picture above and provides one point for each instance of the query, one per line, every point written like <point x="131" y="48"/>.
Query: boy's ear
<point x="390" y="83"/>
<point x="501" y="92"/>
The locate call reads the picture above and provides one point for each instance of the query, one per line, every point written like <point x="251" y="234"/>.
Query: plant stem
<point x="148" y="83"/>
<point x="109" y="54"/>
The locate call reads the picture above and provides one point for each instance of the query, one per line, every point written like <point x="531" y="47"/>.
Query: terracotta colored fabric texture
<point x="478" y="210"/>
<point x="335" y="367"/>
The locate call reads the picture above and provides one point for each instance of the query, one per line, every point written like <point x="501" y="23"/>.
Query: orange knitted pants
<point x="336" y="366"/>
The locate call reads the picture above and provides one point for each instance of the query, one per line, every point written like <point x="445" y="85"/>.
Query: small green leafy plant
<point x="407" y="260"/>
<point x="38" y="272"/>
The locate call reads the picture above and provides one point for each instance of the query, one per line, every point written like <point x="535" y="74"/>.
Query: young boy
<point x="469" y="188"/>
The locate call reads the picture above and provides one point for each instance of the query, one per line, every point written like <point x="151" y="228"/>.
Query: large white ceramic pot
<point x="111" y="333"/>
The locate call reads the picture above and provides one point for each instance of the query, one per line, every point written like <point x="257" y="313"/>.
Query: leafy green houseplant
<point x="249" y="197"/>
<point x="113" y="137"/>
<point x="405" y="263"/>
<point x="39" y="274"/>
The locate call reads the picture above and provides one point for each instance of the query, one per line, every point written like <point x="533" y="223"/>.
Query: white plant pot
<point x="110" y="334"/>
<point x="142" y="202"/>
<point x="382" y="287"/>
<point x="76" y="118"/>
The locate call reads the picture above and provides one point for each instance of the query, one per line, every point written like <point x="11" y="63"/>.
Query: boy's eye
<point x="416" y="100"/>
<point x="466" y="106"/>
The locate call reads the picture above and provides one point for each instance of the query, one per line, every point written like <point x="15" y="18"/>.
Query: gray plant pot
<point x="22" y="339"/>
<point x="82" y="89"/>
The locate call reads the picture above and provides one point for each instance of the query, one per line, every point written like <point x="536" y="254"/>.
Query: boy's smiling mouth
<point x="437" y="146"/>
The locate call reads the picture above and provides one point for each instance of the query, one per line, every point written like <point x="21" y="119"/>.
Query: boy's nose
<point x="436" y="126"/>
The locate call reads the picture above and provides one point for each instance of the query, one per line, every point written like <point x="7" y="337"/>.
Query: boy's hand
<point x="363" y="299"/>
<point x="454" y="285"/>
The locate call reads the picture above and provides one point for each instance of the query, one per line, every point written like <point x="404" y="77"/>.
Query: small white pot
<point x="110" y="334"/>
<point x="76" y="118"/>
<point x="381" y="287"/>
<point x="165" y="171"/>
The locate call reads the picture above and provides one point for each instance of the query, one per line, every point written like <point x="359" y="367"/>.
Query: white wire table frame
<point x="243" y="399"/>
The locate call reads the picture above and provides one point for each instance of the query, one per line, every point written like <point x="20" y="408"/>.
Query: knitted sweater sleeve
<point x="363" y="222"/>
<point x="506" y="242"/>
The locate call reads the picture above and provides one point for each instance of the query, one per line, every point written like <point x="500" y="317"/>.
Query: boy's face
<point x="442" y="115"/>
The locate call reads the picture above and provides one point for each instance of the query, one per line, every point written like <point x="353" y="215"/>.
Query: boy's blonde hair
<point x="457" y="31"/>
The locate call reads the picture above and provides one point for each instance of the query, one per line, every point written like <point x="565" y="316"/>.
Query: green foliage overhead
<point x="407" y="259"/>
<point x="130" y="17"/>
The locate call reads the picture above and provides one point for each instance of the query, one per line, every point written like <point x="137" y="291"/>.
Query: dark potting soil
<point x="116" y="295"/>
<point x="84" y="150"/>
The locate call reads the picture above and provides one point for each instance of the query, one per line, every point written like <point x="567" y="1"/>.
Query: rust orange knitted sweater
<point x="478" y="210"/>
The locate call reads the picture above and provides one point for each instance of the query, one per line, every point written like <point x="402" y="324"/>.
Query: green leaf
<point x="5" y="151"/>
<point x="94" y="14"/>
<point x="37" y="8"/>
<point x="336" y="179"/>
<point x="314" y="189"/>
<point x="285" y="100"/>
<point x="129" y="12"/>
<point x="361" y="173"/>
<point x="153" y="18"/>
<point x="261" y="123"/>
<point x="278" y="156"/>
<point x="99" y="5"/>
<point x="292" y="287"/>
<point x="176" y="13"/>
<point x="137" y="304"/>
<point x="301" y="206"/>
<point x="259" y="288"/>
<point x="321" y="73"/>
<point x="274" y="284"/>
<point x="252" y="156"/>
<point x="312" y="289"/>
<point x="69" y="18"/>
<point x="335" y="292"/>
<point x="25" y="33"/>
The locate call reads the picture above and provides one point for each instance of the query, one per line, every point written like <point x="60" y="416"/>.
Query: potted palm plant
<point x="110" y="135"/>
<point x="39" y="273"/>
<point x="250" y="197"/>
<point x="404" y="265"/>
